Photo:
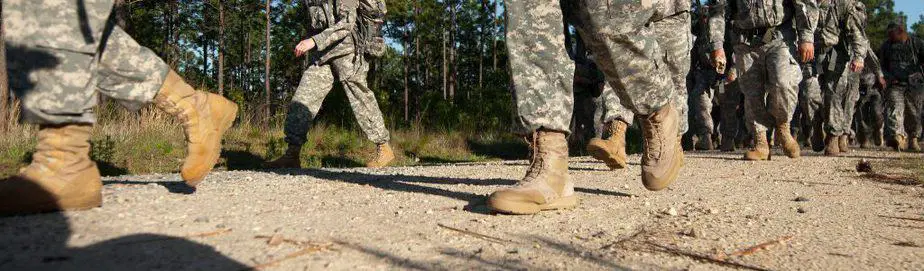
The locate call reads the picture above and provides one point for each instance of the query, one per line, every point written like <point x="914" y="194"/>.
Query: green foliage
<point x="880" y="13"/>
<point x="102" y="149"/>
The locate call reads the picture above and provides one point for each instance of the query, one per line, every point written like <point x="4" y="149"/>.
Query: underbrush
<point x="151" y="142"/>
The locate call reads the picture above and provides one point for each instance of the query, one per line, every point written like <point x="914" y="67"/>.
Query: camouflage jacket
<point x="898" y="58"/>
<point x="840" y="26"/>
<point x="757" y="15"/>
<point x="331" y="26"/>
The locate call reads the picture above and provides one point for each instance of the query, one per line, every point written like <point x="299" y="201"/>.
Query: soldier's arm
<point x="346" y="10"/>
<point x="806" y="18"/>
<point x="716" y="24"/>
<point x="872" y="62"/>
<point x="884" y="61"/>
<point x="858" y="43"/>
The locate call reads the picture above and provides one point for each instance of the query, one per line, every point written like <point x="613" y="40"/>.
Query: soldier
<point x="868" y="116"/>
<point x="767" y="72"/>
<point x="810" y="104"/>
<point x="343" y="36"/>
<point x="628" y="54"/>
<point x="843" y="48"/>
<point x="901" y="63"/>
<point x="62" y="54"/>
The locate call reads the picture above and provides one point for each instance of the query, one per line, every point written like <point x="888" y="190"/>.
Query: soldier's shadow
<point x="41" y="242"/>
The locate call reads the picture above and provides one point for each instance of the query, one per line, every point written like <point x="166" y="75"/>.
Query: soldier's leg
<point x="895" y="111"/>
<point x="913" y="103"/>
<point x="362" y="99"/>
<point x="782" y="85"/>
<point x="875" y="114"/>
<point x="614" y="120"/>
<point x="542" y="76"/>
<point x="810" y="102"/>
<point x="676" y="47"/>
<point x="630" y="55"/>
<point x="751" y="78"/>
<point x="730" y="101"/>
<point x="701" y="104"/>
<point x="836" y="89"/>
<point x="314" y="86"/>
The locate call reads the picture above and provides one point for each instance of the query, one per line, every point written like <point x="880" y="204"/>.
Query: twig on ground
<point x="909" y="227"/>
<point x="209" y="234"/>
<point x="303" y="251"/>
<point x="475" y="234"/>
<point x="703" y="258"/>
<point x="808" y="182"/>
<point x="906" y="244"/>
<point x="277" y="239"/>
<point x="624" y="240"/>
<point x="755" y="249"/>
<point x="902" y="218"/>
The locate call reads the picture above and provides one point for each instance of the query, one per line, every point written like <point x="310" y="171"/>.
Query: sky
<point x="912" y="8"/>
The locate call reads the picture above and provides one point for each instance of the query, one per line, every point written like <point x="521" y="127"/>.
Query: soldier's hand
<point x="719" y="60"/>
<point x="303" y="47"/>
<point x="731" y="77"/>
<point x="882" y="82"/>
<point x="856" y="66"/>
<point x="807" y="51"/>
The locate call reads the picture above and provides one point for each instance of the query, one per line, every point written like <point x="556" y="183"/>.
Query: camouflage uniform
<point x="767" y="72"/>
<point x="706" y="83"/>
<point x="334" y="60"/>
<point x="541" y="70"/>
<point x="868" y="116"/>
<point x="810" y="101"/>
<point x="677" y="58"/>
<point x="842" y="41"/>
<point x="62" y="53"/>
<point x="903" y="104"/>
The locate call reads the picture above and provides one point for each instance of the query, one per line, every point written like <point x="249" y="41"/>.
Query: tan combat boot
<point x="61" y="176"/>
<point x="663" y="156"/>
<point x="843" y="143"/>
<point x="914" y="145"/>
<point x="291" y="159"/>
<point x="790" y="145"/>
<point x="546" y="186"/>
<point x="383" y="156"/>
<point x="832" y="145"/>
<point x="761" y="149"/>
<point x="704" y="143"/>
<point x="612" y="150"/>
<point x="205" y="117"/>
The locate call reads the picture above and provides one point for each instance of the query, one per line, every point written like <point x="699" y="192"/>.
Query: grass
<point x="152" y="142"/>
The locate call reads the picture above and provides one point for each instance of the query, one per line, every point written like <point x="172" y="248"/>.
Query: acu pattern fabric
<point x="335" y="60"/>
<point x="768" y="75"/>
<point x="842" y="41"/>
<point x="624" y="50"/>
<point x="62" y="54"/>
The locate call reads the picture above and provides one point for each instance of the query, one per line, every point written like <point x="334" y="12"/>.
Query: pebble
<point x="802" y="199"/>
<point x="671" y="212"/>
<point x="802" y="210"/>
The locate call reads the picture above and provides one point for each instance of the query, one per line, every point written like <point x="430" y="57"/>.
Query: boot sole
<point x="529" y="208"/>
<point x="600" y="153"/>
<point x="671" y="176"/>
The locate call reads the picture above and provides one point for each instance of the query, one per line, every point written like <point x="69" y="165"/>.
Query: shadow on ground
<point x="40" y="242"/>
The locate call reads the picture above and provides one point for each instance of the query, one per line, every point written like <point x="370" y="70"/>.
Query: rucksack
<point x="370" y="19"/>
<point x="370" y="16"/>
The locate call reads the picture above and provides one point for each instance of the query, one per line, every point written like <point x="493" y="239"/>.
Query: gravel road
<point x="816" y="213"/>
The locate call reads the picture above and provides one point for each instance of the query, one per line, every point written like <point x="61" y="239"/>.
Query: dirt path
<point x="434" y="218"/>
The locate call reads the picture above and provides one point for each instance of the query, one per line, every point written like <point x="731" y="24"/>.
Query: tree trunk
<point x="269" y="49"/>
<point x="221" y="47"/>
<point x="452" y="53"/>
<point x="4" y="84"/>
<point x="445" y="69"/>
<point x="407" y="88"/>
<point x="493" y="37"/>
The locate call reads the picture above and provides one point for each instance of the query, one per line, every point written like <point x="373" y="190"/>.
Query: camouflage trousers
<point x="705" y="84"/>
<point x="841" y="93"/>
<point x="676" y="55"/>
<point x="731" y="105"/>
<point x="868" y="117"/>
<point x="768" y="76"/>
<point x="62" y="54"/>
<point x="904" y="109"/>
<point x="542" y="72"/>
<point x="317" y="81"/>
<point x="811" y="99"/>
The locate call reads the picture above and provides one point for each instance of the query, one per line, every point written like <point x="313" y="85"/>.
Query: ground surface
<point x="404" y="218"/>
